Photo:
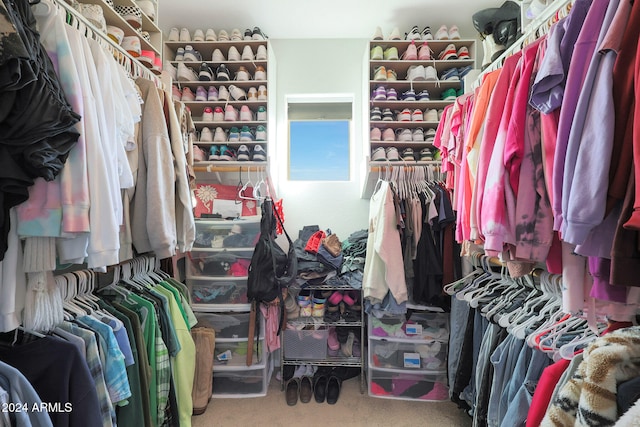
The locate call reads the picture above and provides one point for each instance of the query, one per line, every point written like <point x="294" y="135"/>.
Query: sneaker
<point x="431" y="115"/>
<point x="376" y="53"/>
<point x="392" y="95"/>
<point x="179" y="54"/>
<point x="223" y="93"/>
<point x="242" y="75"/>
<point x="379" y="94"/>
<point x="247" y="34"/>
<point x="411" y="54"/>
<point x="450" y="74"/>
<point x="247" y="53"/>
<point x="258" y="154"/>
<point x="404" y="115"/>
<point x="392" y="154"/>
<point x="206" y="73"/>
<point x="403" y="135"/>
<point x="210" y="35"/>
<point x="448" y="53"/>
<point x="246" y="115"/>
<point x="174" y="35"/>
<point x="388" y="135"/>
<point x="218" y="114"/>
<point x="395" y="34"/>
<point x="387" y="115"/>
<point x="230" y="114"/>
<point x="442" y="33"/>
<point x="227" y="154"/>
<point x="417" y="135"/>
<point x="391" y="54"/>
<point x="261" y="53"/>
<point x="170" y="69"/>
<point x="377" y="35"/>
<point x="380" y="73"/>
<point x="201" y="93"/>
<point x="198" y="35"/>
<point x="260" y="74"/>
<point x="233" y="54"/>
<point x="223" y="36"/>
<point x="184" y="35"/>
<point x="449" y="94"/>
<point x="217" y="56"/>
<point x="375" y="134"/>
<point x="413" y="34"/>
<point x="407" y="155"/>
<point x="206" y="135"/>
<point x="424" y="53"/>
<point x="243" y="153"/>
<point x="440" y="113"/>
<point x="391" y="75"/>
<point x="222" y="73"/>
<point x="463" y="71"/>
<point x="424" y="95"/>
<point x="375" y="115"/>
<point x="236" y="35"/>
<point x="262" y="93"/>
<point x="409" y="95"/>
<point x="261" y="114"/>
<point x="191" y="55"/>
<point x="257" y="34"/>
<point x="417" y="116"/>
<point x="426" y="33"/>
<point x="261" y="133"/>
<point x="234" y="134"/>
<point x="252" y="94"/>
<point x="237" y="93"/>
<point x="416" y="73"/>
<point x="186" y="74"/>
<point x="212" y="94"/>
<point x="430" y="73"/>
<point x="463" y="53"/>
<point x="187" y="95"/>
<point x="245" y="135"/>
<point x="378" y="154"/>
<point x="430" y="135"/>
<point x="214" y="152"/>
<point x="219" y="135"/>
<point x="175" y="93"/>
<point x="426" y="155"/>
<point x="207" y="114"/>
<point x="454" y="33"/>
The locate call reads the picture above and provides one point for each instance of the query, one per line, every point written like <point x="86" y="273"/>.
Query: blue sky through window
<point x="319" y="150"/>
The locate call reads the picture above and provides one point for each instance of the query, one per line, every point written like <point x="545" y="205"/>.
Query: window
<point x="319" y="141"/>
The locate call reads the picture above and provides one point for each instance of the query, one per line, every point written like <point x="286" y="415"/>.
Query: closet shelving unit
<point x="113" y="18"/>
<point x="308" y="346"/>
<point x="435" y="89"/>
<point x="228" y="314"/>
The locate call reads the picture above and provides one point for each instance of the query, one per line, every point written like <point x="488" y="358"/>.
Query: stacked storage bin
<point x="408" y="358"/>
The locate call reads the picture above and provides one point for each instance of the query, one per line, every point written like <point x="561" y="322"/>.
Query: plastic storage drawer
<point x="228" y="325"/>
<point x="233" y="353"/>
<point x="226" y="234"/>
<point x="305" y="344"/>
<point x="218" y="291"/>
<point x="244" y="382"/>
<point x="219" y="263"/>
<point x="423" y="356"/>
<point x="400" y="384"/>
<point x="420" y="326"/>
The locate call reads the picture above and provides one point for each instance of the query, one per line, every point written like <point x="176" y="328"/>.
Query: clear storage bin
<point x="222" y="263"/>
<point x="403" y="385"/>
<point x="229" y="325"/>
<point x="305" y="344"/>
<point x="249" y="382"/>
<point x="423" y="356"/>
<point x="228" y="290"/>
<point x="233" y="353"/>
<point x="226" y="234"/>
<point x="420" y="326"/>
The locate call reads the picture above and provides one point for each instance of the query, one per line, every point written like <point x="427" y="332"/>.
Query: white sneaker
<point x="206" y="135"/>
<point x="223" y="36"/>
<point x="392" y="154"/>
<point x="258" y="155"/>
<point x="378" y="155"/>
<point x="236" y="35"/>
<point x="416" y="73"/>
<point x="377" y="35"/>
<point x="431" y="115"/>
<point x="237" y="93"/>
<point x="219" y="135"/>
<point x="233" y="54"/>
<point x="247" y="53"/>
<point x="261" y="133"/>
<point x="242" y="75"/>
<point x="184" y="35"/>
<point x="246" y="115"/>
<point x="170" y="69"/>
<point x="243" y="153"/>
<point x="442" y="33"/>
<point x="395" y="34"/>
<point x="260" y="73"/>
<point x="262" y="93"/>
<point x="223" y="93"/>
<point x="261" y="54"/>
<point x="186" y="74"/>
<point x="217" y="56"/>
<point x="198" y="35"/>
<point x="261" y="114"/>
<point x="252" y="94"/>
<point x="404" y="135"/>
<point x="174" y="35"/>
<point x="218" y="114"/>
<point x="210" y="36"/>
<point x="430" y="73"/>
<point x="230" y="114"/>
<point x="207" y="114"/>
<point x="454" y="33"/>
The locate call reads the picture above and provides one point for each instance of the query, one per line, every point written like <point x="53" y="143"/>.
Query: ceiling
<point x="325" y="19"/>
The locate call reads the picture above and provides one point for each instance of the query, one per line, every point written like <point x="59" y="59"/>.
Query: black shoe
<point x="248" y="34"/>
<point x="306" y="389"/>
<point x="320" y="387"/>
<point x="222" y="73"/>
<point x="206" y="73"/>
<point x="292" y="390"/>
<point x="257" y="34"/>
<point x="333" y="389"/>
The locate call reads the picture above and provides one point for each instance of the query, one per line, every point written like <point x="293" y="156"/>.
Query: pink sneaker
<point x="230" y="114"/>
<point x="246" y="115"/>
<point x="332" y="340"/>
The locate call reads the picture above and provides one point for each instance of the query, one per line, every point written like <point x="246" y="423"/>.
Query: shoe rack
<point x="206" y="49"/>
<point x="305" y="339"/>
<point x="400" y="82"/>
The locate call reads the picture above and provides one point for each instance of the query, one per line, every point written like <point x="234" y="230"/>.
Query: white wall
<point x="318" y="67"/>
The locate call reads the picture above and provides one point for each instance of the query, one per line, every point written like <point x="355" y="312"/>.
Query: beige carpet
<point x="352" y="409"/>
